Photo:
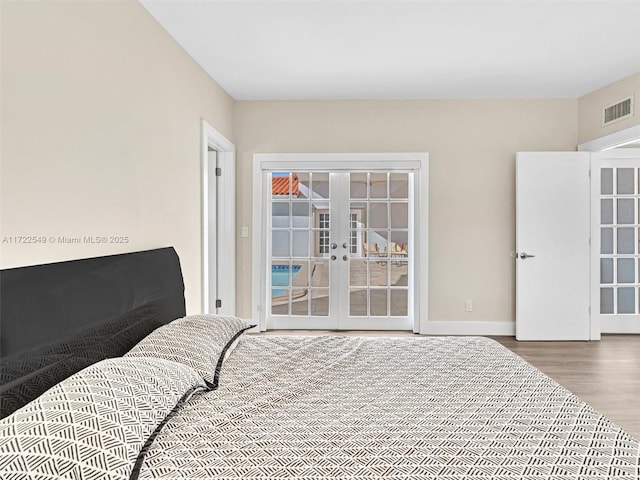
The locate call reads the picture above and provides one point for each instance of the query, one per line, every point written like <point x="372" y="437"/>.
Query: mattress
<point x="321" y="407"/>
<point x="393" y="408"/>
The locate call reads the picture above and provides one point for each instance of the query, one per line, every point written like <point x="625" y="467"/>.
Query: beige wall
<point x="590" y="108"/>
<point x="472" y="147"/>
<point x="101" y="114"/>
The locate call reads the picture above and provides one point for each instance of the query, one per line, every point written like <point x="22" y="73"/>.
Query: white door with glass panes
<point x="619" y="241"/>
<point x="340" y="249"/>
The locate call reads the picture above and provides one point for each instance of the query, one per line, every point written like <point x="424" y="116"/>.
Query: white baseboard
<point x="470" y="328"/>
<point x="453" y="327"/>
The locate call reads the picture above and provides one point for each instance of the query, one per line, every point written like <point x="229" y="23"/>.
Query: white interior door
<point x="340" y="249"/>
<point x="211" y="203"/>
<point x="218" y="223"/>
<point x="552" y="245"/>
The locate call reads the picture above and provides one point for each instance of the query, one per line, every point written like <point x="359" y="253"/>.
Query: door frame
<point x="218" y="223"/>
<point x="334" y="162"/>
<point x="606" y="158"/>
<point x="600" y="147"/>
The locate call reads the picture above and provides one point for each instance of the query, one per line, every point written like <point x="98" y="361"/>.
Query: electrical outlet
<point x="468" y="306"/>
<point x="245" y="232"/>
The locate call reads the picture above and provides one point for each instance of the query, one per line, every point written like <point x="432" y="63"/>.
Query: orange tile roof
<point x="280" y="185"/>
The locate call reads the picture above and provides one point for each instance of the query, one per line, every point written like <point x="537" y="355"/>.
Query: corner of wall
<point x="590" y="108"/>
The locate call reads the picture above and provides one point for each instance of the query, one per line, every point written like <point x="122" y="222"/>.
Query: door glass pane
<point x="300" y="273"/>
<point x="606" y="181"/>
<point x="280" y="214"/>
<point x="378" y="273"/>
<point x="299" y="302"/>
<point x="379" y="238"/>
<point x="378" y="188"/>
<point x="378" y="215"/>
<point x="625" y="210"/>
<point x="358" y="185"/>
<point x="626" y="270"/>
<point x="378" y="302"/>
<point x="280" y="243"/>
<point x="606" y="240"/>
<point x="399" y="273"/>
<point x="400" y="215"/>
<point x="626" y="240"/>
<point x="399" y="185"/>
<point x="304" y="185"/>
<point x="300" y="244"/>
<point x="281" y="185"/>
<point x="606" y="211"/>
<point x="399" y="303"/>
<point x="626" y="300"/>
<point x="358" y="273"/>
<point x="358" y="303"/>
<point x="300" y="215"/>
<point x="320" y="302"/>
<point x="280" y="301"/>
<point x="320" y="185"/>
<point x="320" y="273"/>
<point x="606" y="270"/>
<point x="606" y="300"/>
<point x="625" y="181"/>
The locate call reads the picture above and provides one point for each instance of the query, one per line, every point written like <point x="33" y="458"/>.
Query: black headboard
<point x="59" y="318"/>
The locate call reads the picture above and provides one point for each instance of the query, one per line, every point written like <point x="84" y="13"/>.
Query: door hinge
<point x="218" y="172"/>
<point x="218" y="303"/>
<point x="589" y="173"/>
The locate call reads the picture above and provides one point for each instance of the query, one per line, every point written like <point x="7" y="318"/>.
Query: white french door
<point x="619" y="245"/>
<point x="339" y="247"/>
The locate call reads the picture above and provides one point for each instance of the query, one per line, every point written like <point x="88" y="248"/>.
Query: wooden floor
<point x="605" y="374"/>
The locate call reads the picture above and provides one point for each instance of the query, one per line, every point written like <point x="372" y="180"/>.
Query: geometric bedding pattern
<point x="93" y="424"/>
<point x="198" y="341"/>
<point x="387" y="408"/>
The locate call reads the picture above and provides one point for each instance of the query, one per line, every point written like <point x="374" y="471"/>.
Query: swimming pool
<point x="280" y="277"/>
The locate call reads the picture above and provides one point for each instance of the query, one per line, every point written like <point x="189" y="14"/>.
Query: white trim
<point x="258" y="286"/>
<point x="594" y="244"/>
<point x="337" y="162"/>
<point x="422" y="254"/>
<point x="226" y="221"/>
<point x="613" y="140"/>
<point x="461" y="327"/>
<point x="620" y="324"/>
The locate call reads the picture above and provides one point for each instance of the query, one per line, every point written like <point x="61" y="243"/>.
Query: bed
<point x="199" y="398"/>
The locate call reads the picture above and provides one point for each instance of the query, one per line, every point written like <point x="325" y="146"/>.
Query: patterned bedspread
<point x="394" y="408"/>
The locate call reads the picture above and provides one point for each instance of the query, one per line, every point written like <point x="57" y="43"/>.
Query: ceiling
<point x="397" y="49"/>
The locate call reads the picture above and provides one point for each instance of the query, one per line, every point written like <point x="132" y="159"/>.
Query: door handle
<point x="333" y="257"/>
<point x="334" y="246"/>
<point x="525" y="255"/>
<point x="344" y="257"/>
<point x="344" y="245"/>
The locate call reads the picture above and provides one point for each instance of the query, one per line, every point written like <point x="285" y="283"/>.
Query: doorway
<point x="218" y="222"/>
<point x="619" y="240"/>
<point x="615" y="246"/>
<point x="339" y="244"/>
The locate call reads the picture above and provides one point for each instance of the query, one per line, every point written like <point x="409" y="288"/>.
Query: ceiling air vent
<point x="618" y="111"/>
